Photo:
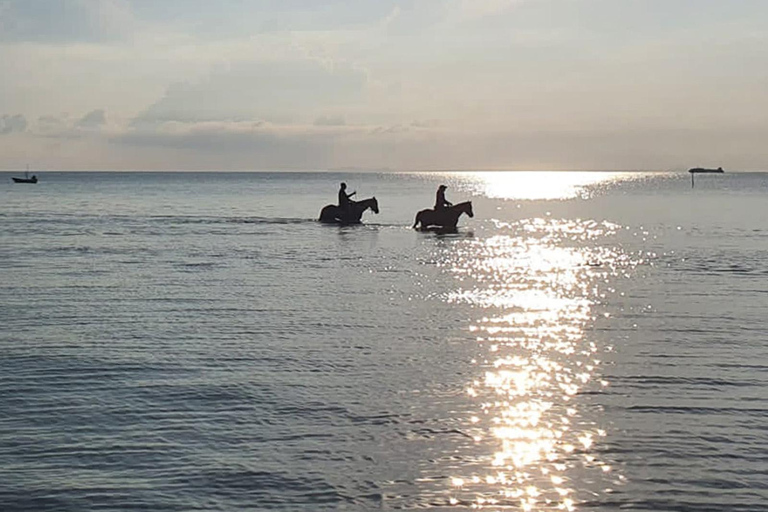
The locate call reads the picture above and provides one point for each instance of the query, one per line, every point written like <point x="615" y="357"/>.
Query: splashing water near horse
<point x="445" y="219"/>
<point x="333" y="214"/>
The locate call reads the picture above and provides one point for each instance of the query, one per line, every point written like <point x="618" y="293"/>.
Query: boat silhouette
<point x="698" y="170"/>
<point x="26" y="179"/>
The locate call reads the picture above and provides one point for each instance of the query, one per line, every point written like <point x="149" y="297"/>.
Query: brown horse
<point x="445" y="219"/>
<point x="332" y="214"/>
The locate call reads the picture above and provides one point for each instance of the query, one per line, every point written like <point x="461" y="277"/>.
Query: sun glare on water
<point x="539" y="184"/>
<point x="537" y="285"/>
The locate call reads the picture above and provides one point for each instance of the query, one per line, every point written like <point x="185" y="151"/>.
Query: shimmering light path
<point x="537" y="285"/>
<point x="541" y="185"/>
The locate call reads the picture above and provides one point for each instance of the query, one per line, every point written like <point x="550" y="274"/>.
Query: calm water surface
<point x="197" y="341"/>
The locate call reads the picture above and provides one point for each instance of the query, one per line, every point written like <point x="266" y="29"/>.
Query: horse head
<point x="465" y="207"/>
<point x="374" y="205"/>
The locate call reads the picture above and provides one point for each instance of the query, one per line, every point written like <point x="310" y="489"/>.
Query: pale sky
<point x="384" y="84"/>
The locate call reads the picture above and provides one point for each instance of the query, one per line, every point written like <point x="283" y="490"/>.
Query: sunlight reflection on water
<point x="537" y="284"/>
<point x="540" y="184"/>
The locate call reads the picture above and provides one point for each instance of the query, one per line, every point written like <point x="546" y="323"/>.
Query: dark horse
<point x="445" y="219"/>
<point x="332" y="214"/>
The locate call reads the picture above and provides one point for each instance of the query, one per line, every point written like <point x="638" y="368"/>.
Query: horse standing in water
<point x="447" y="219"/>
<point x="332" y="214"/>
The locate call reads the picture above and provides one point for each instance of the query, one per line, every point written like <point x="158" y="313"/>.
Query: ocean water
<point x="197" y="341"/>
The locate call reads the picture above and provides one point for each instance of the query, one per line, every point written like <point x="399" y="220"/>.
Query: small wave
<point x="671" y="409"/>
<point x="203" y="265"/>
<point x="690" y="381"/>
<point x="231" y="220"/>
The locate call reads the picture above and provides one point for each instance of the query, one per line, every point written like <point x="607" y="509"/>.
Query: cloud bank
<point x="403" y="84"/>
<point x="14" y="123"/>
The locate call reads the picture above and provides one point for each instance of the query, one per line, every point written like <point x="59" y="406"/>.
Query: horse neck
<point x="461" y="207"/>
<point x="366" y="203"/>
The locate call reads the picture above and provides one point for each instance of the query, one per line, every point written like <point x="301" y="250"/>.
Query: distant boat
<point x="26" y="179"/>
<point x="33" y="179"/>
<point x="697" y="170"/>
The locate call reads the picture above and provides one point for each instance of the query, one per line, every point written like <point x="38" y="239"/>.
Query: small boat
<point x="698" y="170"/>
<point x="26" y="179"/>
<point x="33" y="179"/>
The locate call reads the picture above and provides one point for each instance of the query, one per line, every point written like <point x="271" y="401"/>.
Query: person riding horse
<point x="347" y="211"/>
<point x="345" y="202"/>
<point x="440" y="202"/>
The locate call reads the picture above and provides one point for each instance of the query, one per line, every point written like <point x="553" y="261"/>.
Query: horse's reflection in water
<point x="442" y="221"/>
<point x="333" y="214"/>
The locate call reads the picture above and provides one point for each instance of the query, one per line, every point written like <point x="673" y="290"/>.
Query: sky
<point x="383" y="84"/>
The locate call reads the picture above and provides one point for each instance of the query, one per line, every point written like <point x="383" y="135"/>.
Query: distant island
<point x="697" y="170"/>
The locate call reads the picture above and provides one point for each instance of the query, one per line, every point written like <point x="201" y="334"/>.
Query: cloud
<point x="251" y="144"/>
<point x="471" y="9"/>
<point x="92" y="125"/>
<point x="54" y="126"/>
<point x="264" y="145"/>
<point x="246" y="135"/>
<point x="292" y="90"/>
<point x="236" y="18"/>
<point x="411" y="145"/>
<point x="330" y="121"/>
<point x="61" y="21"/>
<point x="9" y="124"/>
<point x="401" y="83"/>
<point x="93" y="119"/>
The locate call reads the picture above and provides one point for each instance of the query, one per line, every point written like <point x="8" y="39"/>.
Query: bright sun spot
<point x="540" y="185"/>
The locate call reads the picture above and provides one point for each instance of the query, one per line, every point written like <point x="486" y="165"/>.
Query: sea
<point x="178" y="341"/>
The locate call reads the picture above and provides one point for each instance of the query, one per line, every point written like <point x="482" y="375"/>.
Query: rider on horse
<point x="345" y="202"/>
<point x="440" y="202"/>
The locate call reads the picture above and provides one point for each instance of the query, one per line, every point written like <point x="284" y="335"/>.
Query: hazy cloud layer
<point x="515" y="84"/>
<point x="330" y="121"/>
<point x="64" y="21"/>
<point x="14" y="123"/>
<point x="274" y="91"/>
<point x="93" y="119"/>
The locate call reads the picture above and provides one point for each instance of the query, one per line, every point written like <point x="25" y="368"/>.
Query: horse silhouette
<point x="332" y="214"/>
<point x="445" y="219"/>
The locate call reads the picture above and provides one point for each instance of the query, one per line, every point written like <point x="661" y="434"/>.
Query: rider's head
<point x="343" y="185"/>
<point x="442" y="187"/>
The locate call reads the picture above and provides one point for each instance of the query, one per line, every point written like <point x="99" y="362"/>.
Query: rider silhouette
<point x="345" y="203"/>
<point x="440" y="202"/>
